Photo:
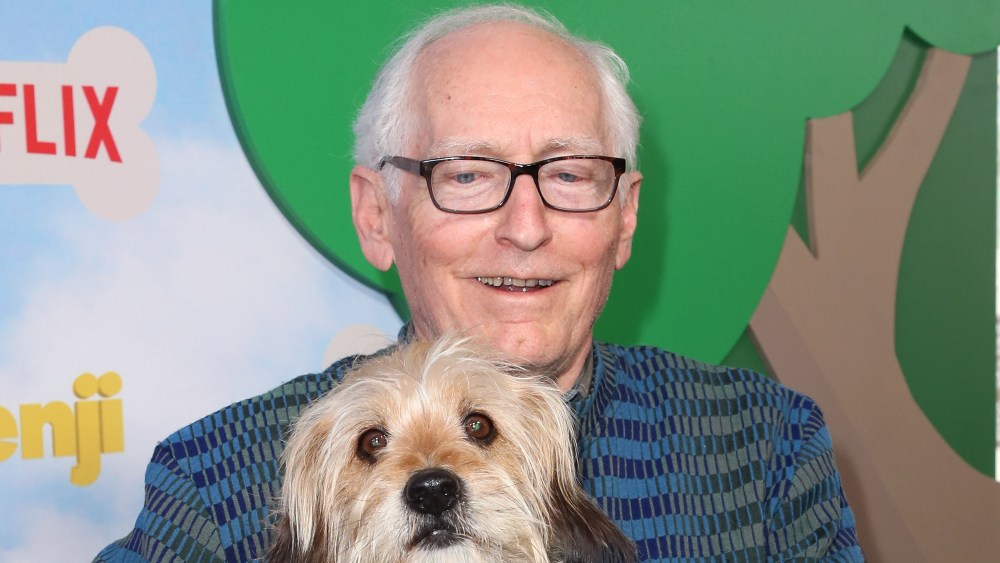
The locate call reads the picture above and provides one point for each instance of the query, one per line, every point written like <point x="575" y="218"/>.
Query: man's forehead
<point x="499" y="147"/>
<point x="505" y="90"/>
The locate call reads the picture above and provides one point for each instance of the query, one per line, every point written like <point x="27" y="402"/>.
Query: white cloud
<point x="66" y="536"/>
<point x="208" y="298"/>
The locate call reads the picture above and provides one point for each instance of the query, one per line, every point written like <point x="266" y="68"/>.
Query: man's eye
<point x="465" y="178"/>
<point x="567" y="177"/>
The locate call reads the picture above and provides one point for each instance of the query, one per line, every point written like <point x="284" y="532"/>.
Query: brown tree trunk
<point x="826" y="326"/>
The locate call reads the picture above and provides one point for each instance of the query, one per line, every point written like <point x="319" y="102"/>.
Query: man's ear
<point x="630" y="214"/>
<point x="371" y="212"/>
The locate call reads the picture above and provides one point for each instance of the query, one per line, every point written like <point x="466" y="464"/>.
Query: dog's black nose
<point x="432" y="491"/>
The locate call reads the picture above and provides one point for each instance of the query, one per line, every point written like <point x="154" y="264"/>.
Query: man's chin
<point x="536" y="346"/>
<point x="551" y="357"/>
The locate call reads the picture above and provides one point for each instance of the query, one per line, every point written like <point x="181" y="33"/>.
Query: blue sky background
<point x="178" y="36"/>
<point x="208" y="297"/>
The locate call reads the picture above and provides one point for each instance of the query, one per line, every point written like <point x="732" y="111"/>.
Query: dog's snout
<point x="432" y="491"/>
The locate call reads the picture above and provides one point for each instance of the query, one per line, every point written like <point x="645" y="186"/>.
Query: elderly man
<point x="496" y="158"/>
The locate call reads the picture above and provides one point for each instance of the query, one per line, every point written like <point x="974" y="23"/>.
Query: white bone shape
<point x="78" y="123"/>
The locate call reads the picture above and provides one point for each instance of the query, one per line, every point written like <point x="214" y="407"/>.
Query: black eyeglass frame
<point x="424" y="168"/>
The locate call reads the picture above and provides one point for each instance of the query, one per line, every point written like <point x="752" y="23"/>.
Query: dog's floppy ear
<point x="282" y="546"/>
<point x="283" y="549"/>
<point x="581" y="533"/>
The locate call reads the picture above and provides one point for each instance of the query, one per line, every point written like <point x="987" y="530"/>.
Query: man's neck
<point x="580" y="387"/>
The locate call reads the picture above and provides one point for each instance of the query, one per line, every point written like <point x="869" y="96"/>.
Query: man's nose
<point x="524" y="219"/>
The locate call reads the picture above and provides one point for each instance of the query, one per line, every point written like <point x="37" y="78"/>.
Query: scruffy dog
<point x="438" y="453"/>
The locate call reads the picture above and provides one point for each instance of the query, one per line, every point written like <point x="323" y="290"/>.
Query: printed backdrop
<point x="174" y="232"/>
<point x="197" y="293"/>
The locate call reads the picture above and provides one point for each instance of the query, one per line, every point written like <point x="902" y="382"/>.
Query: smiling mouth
<point x="515" y="284"/>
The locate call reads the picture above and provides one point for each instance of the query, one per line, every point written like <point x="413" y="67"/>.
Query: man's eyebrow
<point x="448" y="147"/>
<point x="583" y="145"/>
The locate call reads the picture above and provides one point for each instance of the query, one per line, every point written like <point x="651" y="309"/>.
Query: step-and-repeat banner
<point x="146" y="278"/>
<point x="175" y="232"/>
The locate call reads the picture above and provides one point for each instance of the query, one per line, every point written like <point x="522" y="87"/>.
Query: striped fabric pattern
<point x="694" y="462"/>
<point x="704" y="463"/>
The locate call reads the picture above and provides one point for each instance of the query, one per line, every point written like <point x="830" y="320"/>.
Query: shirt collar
<point x="405" y="333"/>
<point x="581" y="388"/>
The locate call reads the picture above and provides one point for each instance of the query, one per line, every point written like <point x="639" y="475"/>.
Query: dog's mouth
<point x="435" y="535"/>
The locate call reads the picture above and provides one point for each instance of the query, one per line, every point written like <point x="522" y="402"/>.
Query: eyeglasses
<point x="478" y="184"/>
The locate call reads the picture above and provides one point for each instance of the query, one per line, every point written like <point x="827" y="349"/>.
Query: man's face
<point x="512" y="92"/>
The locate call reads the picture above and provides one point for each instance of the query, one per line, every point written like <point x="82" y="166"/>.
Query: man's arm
<point x="209" y="484"/>
<point x="175" y="523"/>
<point x="810" y="518"/>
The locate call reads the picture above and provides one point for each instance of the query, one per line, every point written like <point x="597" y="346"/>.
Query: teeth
<point x="512" y="283"/>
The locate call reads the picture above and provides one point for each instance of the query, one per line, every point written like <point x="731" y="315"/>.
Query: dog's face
<point x="436" y="454"/>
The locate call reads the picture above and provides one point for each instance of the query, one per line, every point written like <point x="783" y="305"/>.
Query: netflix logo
<point x="78" y="123"/>
<point x="100" y="132"/>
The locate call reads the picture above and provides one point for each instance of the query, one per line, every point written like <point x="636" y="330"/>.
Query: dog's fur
<point x="514" y="495"/>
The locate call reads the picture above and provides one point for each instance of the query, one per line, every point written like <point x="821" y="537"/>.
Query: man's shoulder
<point x="260" y="419"/>
<point x="684" y="435"/>
<point x="650" y="369"/>
<point x="209" y="485"/>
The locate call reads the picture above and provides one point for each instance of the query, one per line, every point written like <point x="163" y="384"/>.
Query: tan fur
<point x="519" y="502"/>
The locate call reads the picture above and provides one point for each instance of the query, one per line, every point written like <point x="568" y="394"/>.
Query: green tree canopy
<point x="725" y="89"/>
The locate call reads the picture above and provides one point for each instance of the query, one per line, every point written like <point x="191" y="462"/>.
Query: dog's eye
<point x="479" y="427"/>
<point x="371" y="442"/>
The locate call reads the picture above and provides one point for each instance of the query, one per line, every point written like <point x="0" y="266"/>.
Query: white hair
<point x="382" y="127"/>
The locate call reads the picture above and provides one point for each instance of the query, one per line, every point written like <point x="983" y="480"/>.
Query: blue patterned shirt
<point x="694" y="462"/>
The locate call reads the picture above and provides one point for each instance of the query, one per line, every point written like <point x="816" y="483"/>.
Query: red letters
<point x="31" y="125"/>
<point x="6" y="117"/>
<point x="100" y="109"/>
<point x="69" y="121"/>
